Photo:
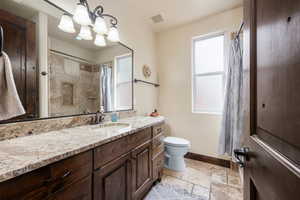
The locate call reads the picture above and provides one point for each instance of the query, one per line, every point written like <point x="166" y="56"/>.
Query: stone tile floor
<point x="200" y="181"/>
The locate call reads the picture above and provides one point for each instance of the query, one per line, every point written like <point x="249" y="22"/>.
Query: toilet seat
<point x="176" y="142"/>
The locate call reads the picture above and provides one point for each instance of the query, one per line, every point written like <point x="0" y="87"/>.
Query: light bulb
<point x="100" y="26"/>
<point x="66" y="24"/>
<point x="100" y="41"/>
<point x="113" y="34"/>
<point x="85" y="33"/>
<point x="81" y="15"/>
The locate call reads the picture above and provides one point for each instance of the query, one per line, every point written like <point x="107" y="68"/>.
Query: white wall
<point x="175" y="94"/>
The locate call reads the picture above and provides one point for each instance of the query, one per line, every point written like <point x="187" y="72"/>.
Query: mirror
<point x="73" y="76"/>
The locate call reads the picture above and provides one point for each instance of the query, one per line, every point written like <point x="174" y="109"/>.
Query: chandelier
<point x="90" y="20"/>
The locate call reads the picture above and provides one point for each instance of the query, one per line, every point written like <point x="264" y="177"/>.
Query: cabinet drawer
<point x="158" y="165"/>
<point x="158" y="150"/>
<point x="158" y="141"/>
<point x="27" y="186"/>
<point x="110" y="151"/>
<point x="81" y="190"/>
<point x="157" y="130"/>
<point x="113" y="150"/>
<point x="139" y="138"/>
<point x="68" y="171"/>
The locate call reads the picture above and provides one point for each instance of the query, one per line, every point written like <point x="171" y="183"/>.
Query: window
<point x="123" y="82"/>
<point x="208" y="74"/>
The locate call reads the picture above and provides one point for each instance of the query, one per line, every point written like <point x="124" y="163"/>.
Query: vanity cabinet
<point x="124" y="169"/>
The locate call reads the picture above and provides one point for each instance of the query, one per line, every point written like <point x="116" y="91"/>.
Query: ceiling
<point x="174" y="12"/>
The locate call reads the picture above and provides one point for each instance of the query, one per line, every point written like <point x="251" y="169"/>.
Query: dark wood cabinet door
<point x="19" y="44"/>
<point x="272" y="62"/>
<point x="141" y="170"/>
<point x="113" y="181"/>
<point x="158" y="166"/>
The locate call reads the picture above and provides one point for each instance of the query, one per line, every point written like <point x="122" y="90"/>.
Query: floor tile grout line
<point x="186" y="181"/>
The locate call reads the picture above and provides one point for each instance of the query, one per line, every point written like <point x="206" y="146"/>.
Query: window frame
<point x="194" y="75"/>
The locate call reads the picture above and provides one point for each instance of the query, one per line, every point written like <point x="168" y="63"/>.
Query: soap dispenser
<point x="114" y="117"/>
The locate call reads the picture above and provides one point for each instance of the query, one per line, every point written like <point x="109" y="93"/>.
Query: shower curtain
<point x="106" y="87"/>
<point x="232" y="122"/>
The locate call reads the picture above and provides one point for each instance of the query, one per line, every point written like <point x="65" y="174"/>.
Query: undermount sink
<point x="113" y="126"/>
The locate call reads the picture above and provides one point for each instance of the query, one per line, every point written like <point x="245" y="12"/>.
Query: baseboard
<point x="208" y="159"/>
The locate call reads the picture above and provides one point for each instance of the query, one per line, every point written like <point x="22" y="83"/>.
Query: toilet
<point x="175" y="149"/>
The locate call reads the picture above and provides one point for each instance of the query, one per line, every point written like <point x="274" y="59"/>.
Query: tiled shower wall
<point x="74" y="86"/>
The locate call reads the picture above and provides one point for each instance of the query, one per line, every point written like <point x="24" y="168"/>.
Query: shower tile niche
<point x="74" y="86"/>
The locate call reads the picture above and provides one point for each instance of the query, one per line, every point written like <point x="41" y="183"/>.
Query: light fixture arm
<point x="113" y="20"/>
<point x="99" y="11"/>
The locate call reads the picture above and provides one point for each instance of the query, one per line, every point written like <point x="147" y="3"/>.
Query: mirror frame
<point x="86" y="114"/>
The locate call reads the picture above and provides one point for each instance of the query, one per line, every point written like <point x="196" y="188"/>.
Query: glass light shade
<point x="100" y="26"/>
<point x="66" y="24"/>
<point x="113" y="35"/>
<point x="78" y="37"/>
<point x="100" y="41"/>
<point x="85" y="33"/>
<point x="81" y="15"/>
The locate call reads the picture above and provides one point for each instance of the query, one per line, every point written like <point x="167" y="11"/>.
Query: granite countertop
<point x="24" y="154"/>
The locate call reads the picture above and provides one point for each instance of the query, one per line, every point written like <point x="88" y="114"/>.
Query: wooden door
<point x="19" y="44"/>
<point x="141" y="170"/>
<point x="113" y="181"/>
<point x="272" y="53"/>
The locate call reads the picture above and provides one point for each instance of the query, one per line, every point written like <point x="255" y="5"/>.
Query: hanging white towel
<point x="10" y="103"/>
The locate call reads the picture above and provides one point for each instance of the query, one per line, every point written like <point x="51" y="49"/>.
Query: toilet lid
<point x="174" y="141"/>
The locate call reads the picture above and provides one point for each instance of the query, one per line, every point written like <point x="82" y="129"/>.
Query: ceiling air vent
<point x="157" y="19"/>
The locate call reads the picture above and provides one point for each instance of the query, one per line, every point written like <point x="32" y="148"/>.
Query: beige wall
<point x="71" y="49"/>
<point x="109" y="54"/>
<point x="175" y="93"/>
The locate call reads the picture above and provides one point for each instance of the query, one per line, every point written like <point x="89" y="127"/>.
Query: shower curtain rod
<point x="71" y="56"/>
<point x="240" y="30"/>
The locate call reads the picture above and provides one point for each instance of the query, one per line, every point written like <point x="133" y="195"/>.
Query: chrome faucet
<point x="99" y="116"/>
